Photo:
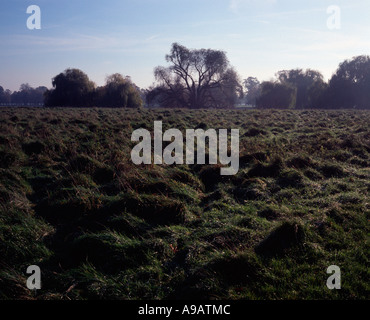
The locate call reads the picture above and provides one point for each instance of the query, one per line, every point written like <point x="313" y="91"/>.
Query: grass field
<point x="100" y="227"/>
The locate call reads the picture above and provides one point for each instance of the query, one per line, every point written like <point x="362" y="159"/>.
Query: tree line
<point x="204" y="78"/>
<point x="25" y="96"/>
<point x="349" y="87"/>
<point x="73" y="88"/>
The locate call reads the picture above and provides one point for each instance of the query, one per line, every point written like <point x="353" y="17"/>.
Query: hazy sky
<point x="132" y="37"/>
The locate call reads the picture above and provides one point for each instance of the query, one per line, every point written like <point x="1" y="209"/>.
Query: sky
<point x="132" y="37"/>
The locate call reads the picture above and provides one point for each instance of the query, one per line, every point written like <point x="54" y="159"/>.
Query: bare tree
<point x="198" y="78"/>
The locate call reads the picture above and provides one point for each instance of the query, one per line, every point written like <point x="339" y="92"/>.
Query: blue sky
<point x="132" y="37"/>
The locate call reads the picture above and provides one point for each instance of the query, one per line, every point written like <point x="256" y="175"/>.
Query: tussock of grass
<point x="283" y="238"/>
<point x="266" y="171"/>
